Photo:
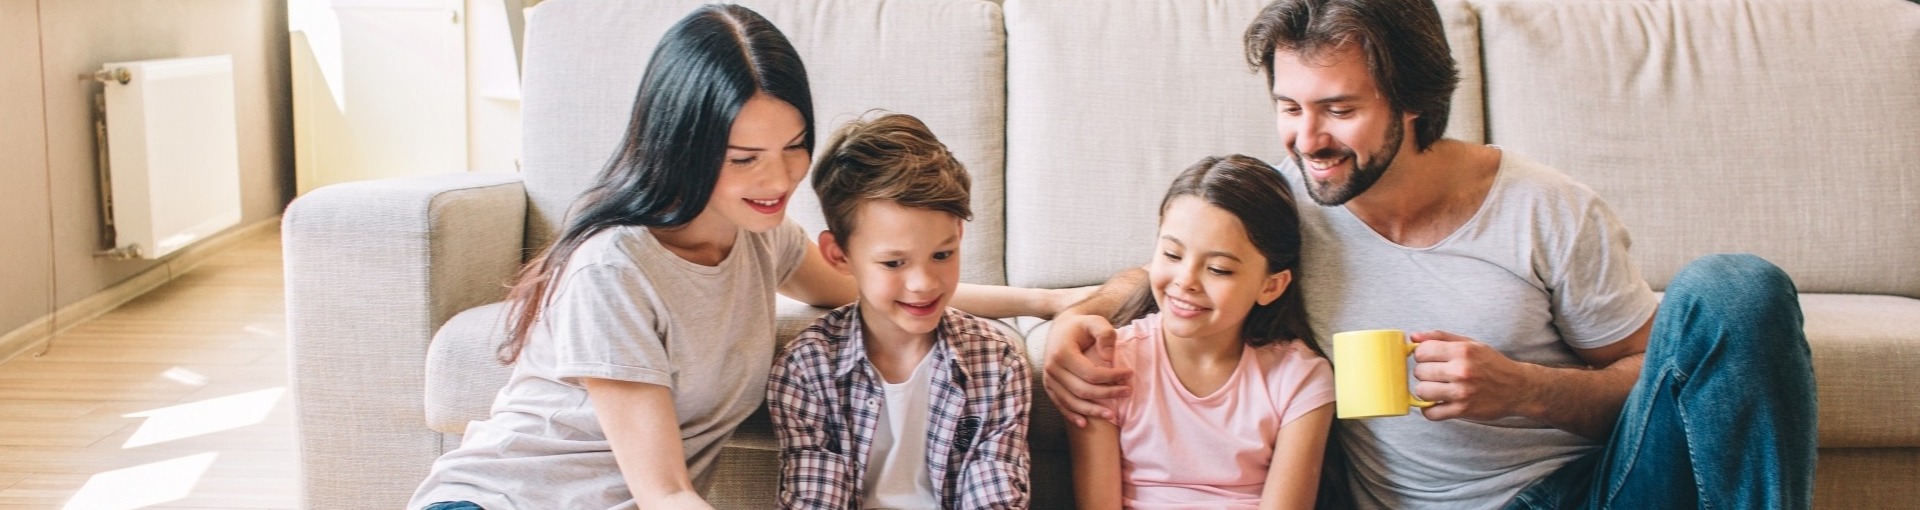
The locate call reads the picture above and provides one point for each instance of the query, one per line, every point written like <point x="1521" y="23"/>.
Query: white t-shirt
<point x="626" y="309"/>
<point x="897" y="474"/>
<point x="1540" y="269"/>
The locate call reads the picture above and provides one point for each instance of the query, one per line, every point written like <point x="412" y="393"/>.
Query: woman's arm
<point x="1293" y="477"/>
<point x="645" y="435"/>
<point x="1096" y="465"/>
<point x="817" y="283"/>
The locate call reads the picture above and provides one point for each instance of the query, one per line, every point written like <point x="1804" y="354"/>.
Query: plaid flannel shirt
<point x="824" y="398"/>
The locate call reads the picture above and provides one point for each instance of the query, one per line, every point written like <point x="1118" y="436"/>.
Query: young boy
<point x="896" y="401"/>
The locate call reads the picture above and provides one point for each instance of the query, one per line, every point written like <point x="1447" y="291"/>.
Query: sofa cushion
<point x="942" y="61"/>
<point x="1866" y="350"/>
<point x="1785" y="128"/>
<point x="463" y="373"/>
<point x="1108" y="100"/>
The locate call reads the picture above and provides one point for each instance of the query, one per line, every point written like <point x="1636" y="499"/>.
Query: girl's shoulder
<point x="1291" y="359"/>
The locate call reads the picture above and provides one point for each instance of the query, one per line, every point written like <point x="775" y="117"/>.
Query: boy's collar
<point x="853" y="349"/>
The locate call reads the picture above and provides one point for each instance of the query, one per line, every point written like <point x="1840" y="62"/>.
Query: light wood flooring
<point x="177" y="399"/>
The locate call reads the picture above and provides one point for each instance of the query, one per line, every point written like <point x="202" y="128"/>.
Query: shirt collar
<point x="853" y="352"/>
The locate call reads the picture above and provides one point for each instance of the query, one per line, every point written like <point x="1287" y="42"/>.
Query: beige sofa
<point x="1787" y="128"/>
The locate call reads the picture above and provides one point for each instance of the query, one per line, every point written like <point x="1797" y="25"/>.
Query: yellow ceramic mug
<point x="1370" y="374"/>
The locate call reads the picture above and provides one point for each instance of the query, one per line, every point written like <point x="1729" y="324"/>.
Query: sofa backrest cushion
<point x="943" y="61"/>
<point x="1785" y="128"/>
<point x="1109" y="99"/>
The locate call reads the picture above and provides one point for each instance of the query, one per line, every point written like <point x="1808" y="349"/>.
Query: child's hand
<point x="1073" y="379"/>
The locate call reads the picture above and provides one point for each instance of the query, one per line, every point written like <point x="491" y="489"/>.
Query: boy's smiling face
<point x="906" y="262"/>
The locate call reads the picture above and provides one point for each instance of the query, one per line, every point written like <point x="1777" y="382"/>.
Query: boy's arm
<point x="997" y="473"/>
<point x="1096" y="465"/>
<point x="1000" y="302"/>
<point x="1293" y="476"/>
<point x="813" y="469"/>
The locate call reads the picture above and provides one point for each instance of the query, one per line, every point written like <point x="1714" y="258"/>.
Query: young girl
<point x="1231" y="397"/>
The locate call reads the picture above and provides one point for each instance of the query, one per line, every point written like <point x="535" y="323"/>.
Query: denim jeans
<point x="1723" y="413"/>
<point x="453" y="505"/>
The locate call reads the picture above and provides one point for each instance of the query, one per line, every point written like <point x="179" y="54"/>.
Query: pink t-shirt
<point x="1178" y="449"/>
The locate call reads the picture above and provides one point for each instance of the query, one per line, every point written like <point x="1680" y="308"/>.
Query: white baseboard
<point x="34" y="335"/>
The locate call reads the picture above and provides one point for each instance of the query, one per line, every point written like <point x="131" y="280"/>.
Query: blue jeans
<point x="453" y="505"/>
<point x="1723" y="413"/>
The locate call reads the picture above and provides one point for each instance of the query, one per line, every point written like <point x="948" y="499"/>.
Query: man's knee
<point x="1742" y="286"/>
<point x="1736" y="297"/>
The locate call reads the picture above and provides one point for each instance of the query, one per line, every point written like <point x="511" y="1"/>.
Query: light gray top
<point x="627" y="309"/>
<point x="1541" y="268"/>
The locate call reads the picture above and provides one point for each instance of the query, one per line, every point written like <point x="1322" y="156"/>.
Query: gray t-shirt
<point x="626" y="309"/>
<point x="1540" y="269"/>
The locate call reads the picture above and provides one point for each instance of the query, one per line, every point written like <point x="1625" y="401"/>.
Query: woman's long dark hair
<point x="705" y="68"/>
<point x="1254" y="192"/>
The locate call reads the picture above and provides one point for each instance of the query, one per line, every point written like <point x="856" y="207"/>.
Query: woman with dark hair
<point x="644" y="335"/>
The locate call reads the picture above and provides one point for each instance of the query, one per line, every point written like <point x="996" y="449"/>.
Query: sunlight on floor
<point x="203" y="417"/>
<point x="143" y="485"/>
<point x="184" y="376"/>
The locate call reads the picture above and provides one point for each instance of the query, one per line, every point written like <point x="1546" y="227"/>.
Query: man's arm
<point x="1472" y="380"/>
<point x="1074" y="380"/>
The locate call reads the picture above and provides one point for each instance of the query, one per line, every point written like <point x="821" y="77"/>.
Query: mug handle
<point x="1415" y="399"/>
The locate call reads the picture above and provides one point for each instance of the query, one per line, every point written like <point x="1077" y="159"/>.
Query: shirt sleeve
<point x="789" y="242"/>
<point x="1598" y="294"/>
<point x="606" y="323"/>
<point x="814" y="469"/>
<point x="1306" y="384"/>
<point x="996" y="474"/>
<point x="1125" y="355"/>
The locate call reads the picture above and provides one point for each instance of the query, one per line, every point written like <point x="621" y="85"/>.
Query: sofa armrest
<point x="372" y="268"/>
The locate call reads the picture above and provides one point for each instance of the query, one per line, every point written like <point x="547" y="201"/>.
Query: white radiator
<point x="172" y="152"/>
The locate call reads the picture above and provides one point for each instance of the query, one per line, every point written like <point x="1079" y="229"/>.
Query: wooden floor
<point x="177" y="399"/>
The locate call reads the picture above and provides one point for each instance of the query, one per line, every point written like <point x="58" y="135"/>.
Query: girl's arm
<point x="1096" y="464"/>
<point x="645" y="435"/>
<point x="1293" y="477"/>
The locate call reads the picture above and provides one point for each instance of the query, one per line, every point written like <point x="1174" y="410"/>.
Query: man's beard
<point x="1362" y="177"/>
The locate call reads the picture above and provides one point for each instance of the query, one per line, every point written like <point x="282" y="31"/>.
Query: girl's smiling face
<point x="1206" y="273"/>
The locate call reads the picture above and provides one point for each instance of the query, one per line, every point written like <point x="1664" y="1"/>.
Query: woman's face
<point x="766" y="158"/>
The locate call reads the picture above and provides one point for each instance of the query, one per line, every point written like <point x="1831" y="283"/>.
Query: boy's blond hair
<point x="891" y="157"/>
